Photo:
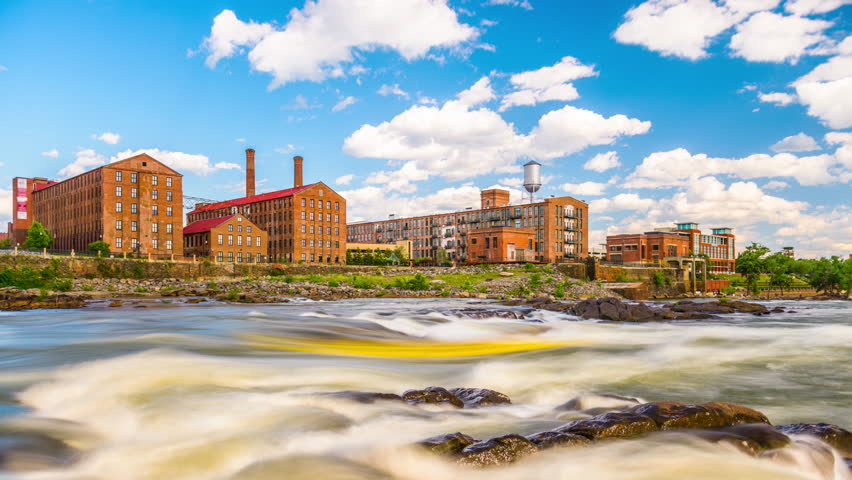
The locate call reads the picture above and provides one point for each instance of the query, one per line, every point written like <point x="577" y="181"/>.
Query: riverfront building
<point x="306" y="223"/>
<point x="233" y="238"/>
<point x="682" y="241"/>
<point x="22" y="201"/>
<point x="552" y="230"/>
<point x="135" y="205"/>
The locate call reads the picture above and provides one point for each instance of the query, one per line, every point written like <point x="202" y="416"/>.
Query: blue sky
<point x="724" y="112"/>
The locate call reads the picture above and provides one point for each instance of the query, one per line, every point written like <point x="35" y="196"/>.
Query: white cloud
<point x="570" y="129"/>
<point x="301" y="103"/>
<point x="374" y="203"/>
<point x="682" y="28"/>
<point x="394" y="89"/>
<point x="5" y="206"/>
<point x="401" y="179"/>
<point x="771" y="37"/>
<point x="240" y="140"/>
<point x="827" y="89"/>
<point x="585" y="188"/>
<point x="620" y="202"/>
<point x="344" y="179"/>
<point x="679" y="167"/>
<point x="512" y="181"/>
<point x="480" y="92"/>
<point x="182" y="162"/>
<point x="321" y="38"/>
<point x="108" y="137"/>
<point x="288" y="149"/>
<point x="800" y="142"/>
<point x="778" y="98"/>
<point x="86" y="160"/>
<point x="844" y="149"/>
<point x="515" y="3"/>
<point x="3" y="68"/>
<point x="547" y="83"/>
<point x="775" y="185"/>
<point x="343" y="103"/>
<point x="809" y="7"/>
<point x="54" y="153"/>
<point x="749" y="6"/>
<point x="602" y="162"/>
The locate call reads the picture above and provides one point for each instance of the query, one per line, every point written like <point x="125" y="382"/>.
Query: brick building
<point x="557" y="231"/>
<point x="685" y="239"/>
<point x="135" y="205"/>
<point x="233" y="238"/>
<point x="22" y="200"/>
<point x="304" y="223"/>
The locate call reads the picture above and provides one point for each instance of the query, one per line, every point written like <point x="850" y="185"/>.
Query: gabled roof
<point x="147" y="158"/>
<point x="253" y="199"/>
<point x="202" y="226"/>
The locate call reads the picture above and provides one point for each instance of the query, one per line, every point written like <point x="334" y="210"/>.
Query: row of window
<point x="306" y="215"/>
<point x="319" y="243"/>
<point x="240" y="258"/>
<point x="134" y="209"/>
<point x="318" y="203"/>
<point x="134" y="178"/>
<point x="221" y="240"/>
<point x="319" y="229"/>
<point x="134" y="226"/>
<point x="134" y="193"/>
<point x="134" y="243"/>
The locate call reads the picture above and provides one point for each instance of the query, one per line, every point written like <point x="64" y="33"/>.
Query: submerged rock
<point x="480" y="397"/>
<point x="448" y="444"/>
<point x="480" y="314"/>
<point x="596" y="404"/>
<point x="545" y="440"/>
<point x="613" y="309"/>
<point x="497" y="451"/>
<point x="611" y="425"/>
<point x="365" y="397"/>
<point x="837" y="437"/>
<point x="673" y="415"/>
<point x="28" y="451"/>
<point x="433" y="396"/>
<point x="12" y="298"/>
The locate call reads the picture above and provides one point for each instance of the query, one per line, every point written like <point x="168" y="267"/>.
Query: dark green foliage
<point x="559" y="291"/>
<point x="38" y="236"/>
<point x="417" y="282"/>
<point x="6" y="243"/>
<point x="100" y="246"/>
<point x="47" y="278"/>
<point x="659" y="279"/>
<point x="830" y="275"/>
<point x="535" y="281"/>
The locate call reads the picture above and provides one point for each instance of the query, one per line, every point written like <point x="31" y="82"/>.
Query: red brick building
<point x="686" y="239"/>
<point x="501" y="245"/>
<point x="22" y="201"/>
<point x="233" y="238"/>
<point x="305" y="223"/>
<point x="135" y="205"/>
<point x="558" y="227"/>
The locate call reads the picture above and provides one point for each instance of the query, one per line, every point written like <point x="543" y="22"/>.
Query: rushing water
<point x="181" y="392"/>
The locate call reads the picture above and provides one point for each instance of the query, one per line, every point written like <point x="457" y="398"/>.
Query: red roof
<point x="254" y="198"/>
<point x="205" y="225"/>
<point x="40" y="186"/>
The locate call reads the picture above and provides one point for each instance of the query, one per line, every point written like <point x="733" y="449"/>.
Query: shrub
<point x="535" y="281"/>
<point x="362" y="282"/>
<point x="519" y="291"/>
<point x="559" y="291"/>
<point x="728" y="291"/>
<point x="333" y="283"/>
<point x="417" y="282"/>
<point x="668" y="281"/>
<point x="100" y="246"/>
<point x="88" y="288"/>
<point x="529" y="267"/>
<point x="141" y="290"/>
<point x="62" y="285"/>
<point x="658" y="279"/>
<point x="622" y="277"/>
<point x="232" y="295"/>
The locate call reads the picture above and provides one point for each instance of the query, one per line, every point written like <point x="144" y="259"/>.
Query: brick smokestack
<point x="250" y="191"/>
<point x="297" y="171"/>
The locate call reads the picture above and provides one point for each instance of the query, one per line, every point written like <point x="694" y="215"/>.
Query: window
<point x="155" y="243"/>
<point x="313" y="258"/>
<point x="304" y="243"/>
<point x="221" y="239"/>
<point x="134" y="192"/>
<point x="118" y="242"/>
<point x="168" y="181"/>
<point x="303" y="257"/>
<point x="118" y="207"/>
<point x="230" y="227"/>
<point x="248" y="228"/>
<point x="230" y="239"/>
<point x="155" y="228"/>
<point x="328" y="204"/>
<point x="304" y="228"/>
<point x="155" y="195"/>
<point x="134" y="226"/>
<point x="259" y="259"/>
<point x="337" y="230"/>
<point x="134" y="177"/>
<point x="240" y="240"/>
<point x="230" y="256"/>
<point x="154" y="180"/>
<point x="258" y="240"/>
<point x="239" y="228"/>
<point x="336" y="218"/>
<point x="304" y="202"/>
<point x="168" y="211"/>
<point x="134" y="208"/>
<point x="118" y="190"/>
<point x="240" y="257"/>
<point x="220" y="256"/>
<point x="169" y="228"/>
<point x="134" y="243"/>
<point x="312" y="203"/>
<point x="304" y="215"/>
<point x="248" y="240"/>
<point x="320" y="204"/>
<point x="118" y="225"/>
<point x="312" y="229"/>
<point x="168" y="196"/>
<point x="117" y="176"/>
<point x="337" y="205"/>
<point x="312" y="215"/>
<point x="155" y="210"/>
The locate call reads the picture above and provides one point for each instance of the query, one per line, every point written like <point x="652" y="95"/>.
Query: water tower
<point x="532" y="178"/>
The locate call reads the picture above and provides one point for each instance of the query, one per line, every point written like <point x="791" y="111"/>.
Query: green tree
<point x="38" y="236"/>
<point x="6" y="243"/>
<point x="99" y="246"/>
<point x="751" y="263"/>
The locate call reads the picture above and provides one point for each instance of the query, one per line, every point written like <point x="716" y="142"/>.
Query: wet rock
<point x="545" y="440"/>
<point x="848" y="463"/>
<point x="497" y="451"/>
<point x="611" y="425"/>
<point x="837" y="437"/>
<point x="448" y="444"/>
<point x="596" y="404"/>
<point x="365" y="397"/>
<point x="480" y="314"/>
<point x="764" y="436"/>
<point x="613" y="309"/>
<point x="115" y="304"/>
<point x="480" y="397"/>
<point x="777" y="310"/>
<point x="27" y="451"/>
<point x="195" y="300"/>
<point x="674" y="415"/>
<point x="820" y="455"/>
<point x="12" y="298"/>
<point x="432" y="396"/>
<point x="744" y="444"/>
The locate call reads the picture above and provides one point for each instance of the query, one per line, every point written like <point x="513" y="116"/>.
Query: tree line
<point x="829" y="275"/>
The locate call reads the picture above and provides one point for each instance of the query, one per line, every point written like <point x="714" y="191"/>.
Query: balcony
<point x="571" y="214"/>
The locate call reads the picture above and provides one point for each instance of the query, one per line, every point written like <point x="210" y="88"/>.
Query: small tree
<point x="99" y="246"/>
<point x="6" y="243"/>
<point x="750" y="264"/>
<point x="38" y="237"/>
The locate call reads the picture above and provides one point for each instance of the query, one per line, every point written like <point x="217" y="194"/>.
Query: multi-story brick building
<point x="305" y="223"/>
<point x="684" y="240"/>
<point x="556" y="231"/>
<point x="135" y="205"/>
<point x="233" y="238"/>
<point x="22" y="200"/>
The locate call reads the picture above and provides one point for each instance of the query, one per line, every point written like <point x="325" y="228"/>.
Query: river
<point x="174" y="391"/>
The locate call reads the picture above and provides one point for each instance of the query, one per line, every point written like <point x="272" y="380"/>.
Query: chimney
<point x="250" y="172"/>
<point x="297" y="171"/>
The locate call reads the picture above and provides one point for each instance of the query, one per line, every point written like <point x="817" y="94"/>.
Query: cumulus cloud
<point x="775" y="185"/>
<point x="778" y="98"/>
<point x="53" y="153"/>
<point x="772" y="37"/>
<point x="5" y="206"/>
<point x="320" y="40"/>
<point x="679" y="167"/>
<point x="375" y="203"/>
<point x="827" y="89"/>
<point x="182" y="162"/>
<point x="602" y="162"/>
<point x="343" y="103"/>
<point x="547" y="83"/>
<point x="800" y="142"/>
<point x="108" y="137"/>
<point x="620" y="202"/>
<point x="85" y="160"/>
<point x="515" y="3"/>
<point x="394" y="89"/>
<point x="344" y="179"/>
<point x="400" y="180"/>
<point x="844" y="149"/>
<point x="585" y="188"/>
<point x="570" y="130"/>
<point x="479" y="92"/>
<point x="809" y="7"/>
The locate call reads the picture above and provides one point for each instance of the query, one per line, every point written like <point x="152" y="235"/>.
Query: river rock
<point x="674" y="415"/>
<point x="27" y="451"/>
<point x="597" y="404"/>
<point x="433" y="396"/>
<point x="480" y="397"/>
<point x="480" y="314"/>
<point x="448" y="444"/>
<point x="611" y="425"/>
<point x="12" y="298"/>
<point x="761" y="434"/>
<point x="545" y="440"/>
<point x="837" y="437"/>
<point x="365" y="397"/>
<point x="611" y="308"/>
<point x="497" y="451"/>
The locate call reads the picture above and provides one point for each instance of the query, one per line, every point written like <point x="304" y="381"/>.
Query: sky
<point x="729" y="113"/>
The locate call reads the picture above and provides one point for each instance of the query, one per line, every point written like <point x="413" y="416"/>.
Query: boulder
<point x="676" y="415"/>
<point x="611" y="425"/>
<point x="613" y="309"/>
<point x="433" y="396"/>
<point x="545" y="440"/>
<point x="448" y="444"/>
<point x="480" y="314"/>
<point x="365" y="397"/>
<point x="497" y="451"/>
<point x="480" y="397"/>
<point x="764" y="436"/>
<point x="837" y="437"/>
<point x="115" y="304"/>
<point x="28" y="451"/>
<point x="597" y="404"/>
